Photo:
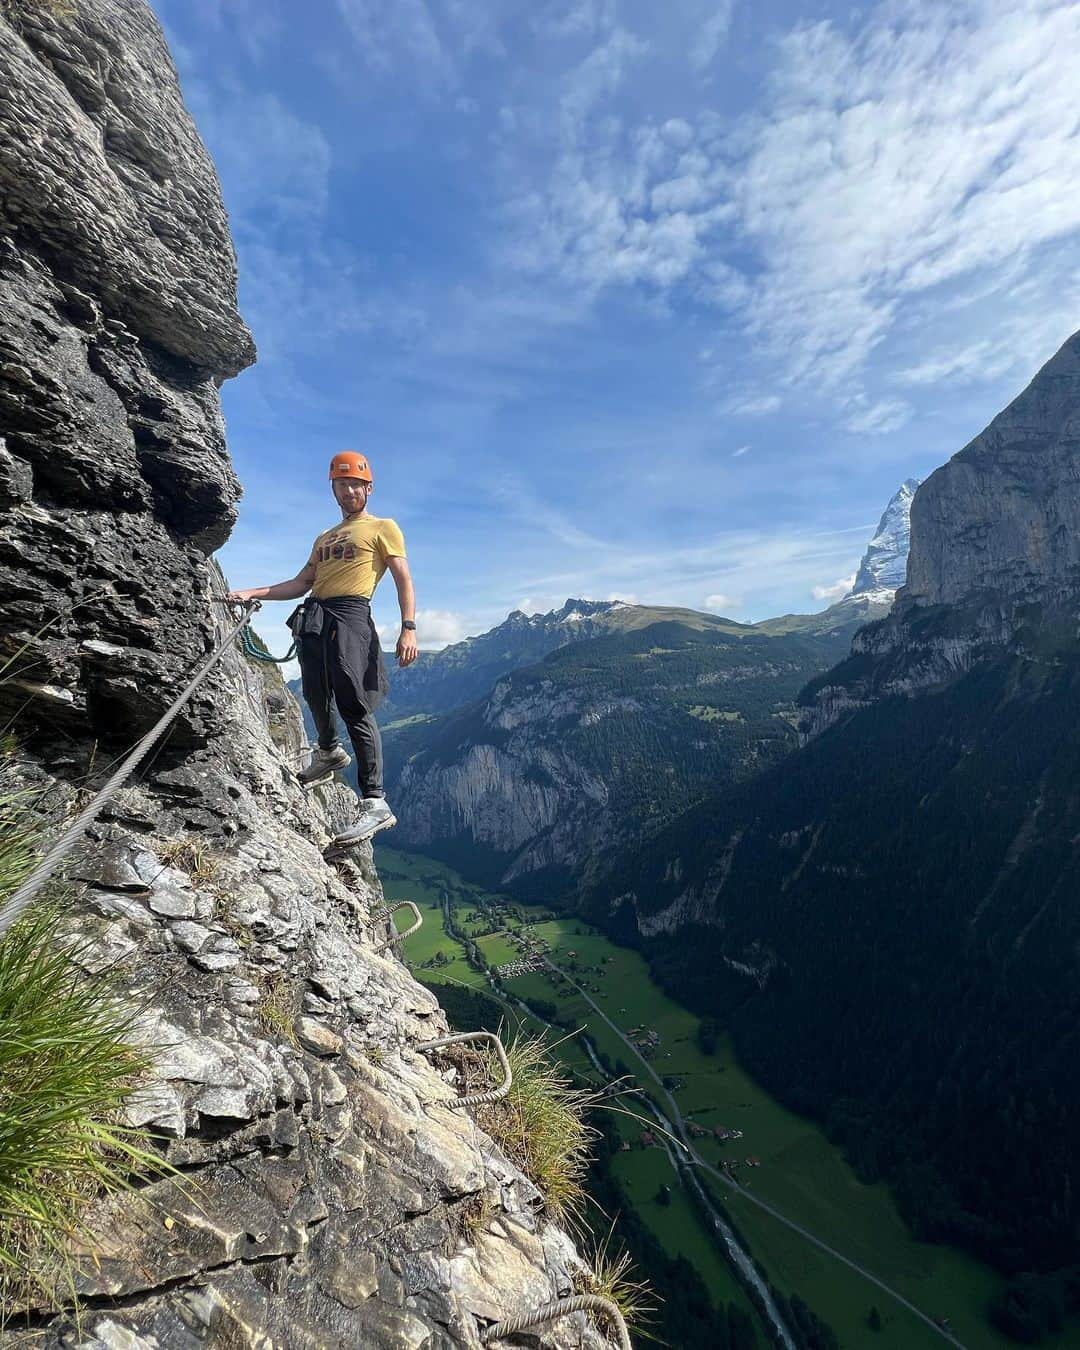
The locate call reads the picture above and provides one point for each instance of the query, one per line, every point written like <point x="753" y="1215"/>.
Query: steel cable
<point x="405" y="932"/>
<point x="549" y="1312"/>
<point x="30" y="888"/>
<point x="476" y="1098"/>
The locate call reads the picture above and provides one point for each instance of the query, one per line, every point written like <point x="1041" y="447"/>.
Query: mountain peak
<point x="884" y="564"/>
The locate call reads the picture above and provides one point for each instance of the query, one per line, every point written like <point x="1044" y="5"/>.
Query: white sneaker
<point x="374" y="815"/>
<point x="322" y="765"/>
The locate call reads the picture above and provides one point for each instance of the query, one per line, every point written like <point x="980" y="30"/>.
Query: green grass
<point x="609" y="1273"/>
<point x="801" y="1173"/>
<point x="498" y="949"/>
<point x="66" y="1070"/>
<point x="541" y="1124"/>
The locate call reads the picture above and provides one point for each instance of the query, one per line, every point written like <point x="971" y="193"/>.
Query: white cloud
<point x="438" y="628"/>
<point x="515" y="496"/>
<point x="621" y="203"/>
<point x="936" y="141"/>
<point x="572" y="18"/>
<point x="985" y="360"/>
<point x="678" y="194"/>
<point x="752" y="405"/>
<point x="760" y="571"/>
<point x="891" y="162"/>
<point x="720" y="603"/>
<point x="257" y="25"/>
<point x="836" y="590"/>
<point x="712" y="35"/>
<point x="742" y="450"/>
<point x="597" y="77"/>
<point x="390" y="34"/>
<point x="678" y="132"/>
<point x="876" y="419"/>
<point x="274" y="165"/>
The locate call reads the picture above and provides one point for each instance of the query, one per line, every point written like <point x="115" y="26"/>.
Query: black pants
<point x="327" y="678"/>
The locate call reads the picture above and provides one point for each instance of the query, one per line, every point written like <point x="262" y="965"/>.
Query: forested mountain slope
<point x="567" y="760"/>
<point x="888" y="921"/>
<point x="465" y="671"/>
<point x="640" y="712"/>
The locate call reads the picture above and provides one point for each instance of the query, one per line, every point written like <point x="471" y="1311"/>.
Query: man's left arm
<point x="398" y="568"/>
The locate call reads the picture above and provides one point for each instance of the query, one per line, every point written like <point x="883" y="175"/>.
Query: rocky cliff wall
<point x="994" y="562"/>
<point x="333" y="1196"/>
<point x="1003" y="514"/>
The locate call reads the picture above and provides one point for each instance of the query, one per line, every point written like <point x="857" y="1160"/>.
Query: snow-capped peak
<point x="884" y="565"/>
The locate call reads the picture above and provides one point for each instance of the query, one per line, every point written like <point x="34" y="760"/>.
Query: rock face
<point x="883" y="569"/>
<point x="118" y="323"/>
<point x="341" y="1200"/>
<point x="1002" y="516"/>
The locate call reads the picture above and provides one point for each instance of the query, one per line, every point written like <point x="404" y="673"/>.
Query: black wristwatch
<point x="408" y="623"/>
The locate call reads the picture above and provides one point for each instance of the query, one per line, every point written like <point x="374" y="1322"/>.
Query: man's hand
<point x="280" y="590"/>
<point x="406" y="648"/>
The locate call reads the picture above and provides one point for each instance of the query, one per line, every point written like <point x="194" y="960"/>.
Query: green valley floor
<point x="784" y="1159"/>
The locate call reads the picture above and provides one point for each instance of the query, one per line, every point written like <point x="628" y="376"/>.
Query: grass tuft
<point x="474" y="1216"/>
<point x="66" y="1070"/>
<point x="192" y="856"/>
<point x="541" y="1125"/>
<point x="607" y="1273"/>
<point x="279" y="1004"/>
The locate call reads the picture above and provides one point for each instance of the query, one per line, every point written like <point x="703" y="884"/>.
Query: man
<point x="339" y="650"/>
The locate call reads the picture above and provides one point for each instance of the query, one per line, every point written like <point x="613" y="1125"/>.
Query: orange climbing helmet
<point x="348" y="464"/>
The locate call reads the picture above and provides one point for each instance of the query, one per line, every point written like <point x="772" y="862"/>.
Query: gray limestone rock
<point x="1003" y="515"/>
<point x="317" y="1037"/>
<point x="326" y="1186"/>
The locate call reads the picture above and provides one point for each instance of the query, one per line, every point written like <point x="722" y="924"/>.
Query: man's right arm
<point x="281" y="590"/>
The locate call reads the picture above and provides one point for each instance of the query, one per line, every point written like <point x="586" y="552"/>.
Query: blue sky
<point x="626" y="299"/>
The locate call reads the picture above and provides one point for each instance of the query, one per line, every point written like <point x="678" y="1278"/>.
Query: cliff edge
<point x="333" y="1194"/>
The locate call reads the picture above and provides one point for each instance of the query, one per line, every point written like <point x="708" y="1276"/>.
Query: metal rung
<point x="476" y="1098"/>
<point x="549" y="1312"/>
<point x="400" y="937"/>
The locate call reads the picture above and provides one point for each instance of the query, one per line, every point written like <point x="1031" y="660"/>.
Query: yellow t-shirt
<point x="351" y="557"/>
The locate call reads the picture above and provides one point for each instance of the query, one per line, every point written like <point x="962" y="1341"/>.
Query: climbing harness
<point x="549" y="1312"/>
<point x="406" y="932"/>
<point x="26" y="893"/>
<point x="476" y="1098"/>
<point x="247" y="641"/>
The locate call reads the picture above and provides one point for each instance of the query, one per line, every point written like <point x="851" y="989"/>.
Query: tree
<point x="708" y="1034"/>
<point x="873" y="1321"/>
<point x="740" y="1329"/>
